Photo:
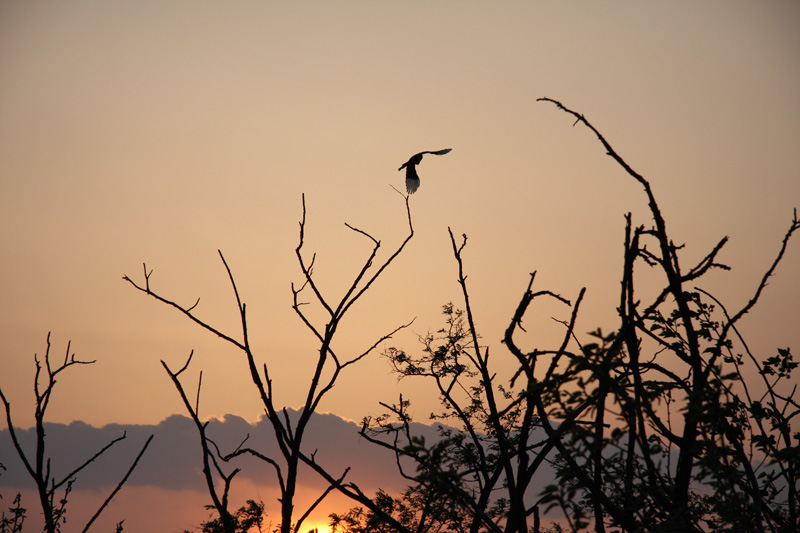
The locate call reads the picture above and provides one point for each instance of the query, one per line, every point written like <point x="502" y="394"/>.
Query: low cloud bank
<point x="167" y="490"/>
<point x="173" y="460"/>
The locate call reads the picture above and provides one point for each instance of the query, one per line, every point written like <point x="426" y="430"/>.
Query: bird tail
<point x="412" y="179"/>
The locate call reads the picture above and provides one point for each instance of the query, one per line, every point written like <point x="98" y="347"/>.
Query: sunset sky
<point x="160" y="132"/>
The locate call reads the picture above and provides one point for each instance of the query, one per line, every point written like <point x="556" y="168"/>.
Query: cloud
<point x="173" y="460"/>
<point x="168" y="481"/>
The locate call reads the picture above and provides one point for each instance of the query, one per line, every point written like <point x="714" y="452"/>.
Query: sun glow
<point x="316" y="528"/>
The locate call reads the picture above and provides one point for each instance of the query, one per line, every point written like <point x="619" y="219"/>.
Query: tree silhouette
<point x="330" y="364"/>
<point x="244" y="520"/>
<point x="689" y="448"/>
<point x="12" y="523"/>
<point x="657" y="426"/>
<point x="653" y="427"/>
<point x="39" y="467"/>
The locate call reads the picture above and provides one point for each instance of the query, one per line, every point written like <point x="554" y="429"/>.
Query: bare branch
<point x="119" y="485"/>
<point x="185" y="311"/>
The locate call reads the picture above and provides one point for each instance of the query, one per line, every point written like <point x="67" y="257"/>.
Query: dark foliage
<point x="668" y="423"/>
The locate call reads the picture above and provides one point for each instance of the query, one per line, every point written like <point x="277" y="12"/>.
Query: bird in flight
<point x="412" y="179"/>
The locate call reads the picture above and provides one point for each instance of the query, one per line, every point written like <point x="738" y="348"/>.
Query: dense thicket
<point x="668" y="423"/>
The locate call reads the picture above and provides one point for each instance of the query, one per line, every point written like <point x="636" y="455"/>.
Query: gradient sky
<point x="159" y="132"/>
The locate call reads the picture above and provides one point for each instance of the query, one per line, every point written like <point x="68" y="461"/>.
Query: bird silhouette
<point x="412" y="179"/>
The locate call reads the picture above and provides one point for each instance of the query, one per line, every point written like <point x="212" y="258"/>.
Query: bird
<point x="412" y="179"/>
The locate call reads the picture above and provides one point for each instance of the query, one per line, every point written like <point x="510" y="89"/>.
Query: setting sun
<point x="154" y="152"/>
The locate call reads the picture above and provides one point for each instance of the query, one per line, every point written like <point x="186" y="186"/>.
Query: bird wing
<point x="416" y="158"/>
<point x="439" y="152"/>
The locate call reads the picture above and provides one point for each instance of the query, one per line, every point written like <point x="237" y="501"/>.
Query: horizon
<point x="158" y="134"/>
<point x="171" y="468"/>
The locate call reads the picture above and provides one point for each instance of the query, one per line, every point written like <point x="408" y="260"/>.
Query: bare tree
<point x="654" y="427"/>
<point x="39" y="467"/>
<point x="289" y="433"/>
<point x="689" y="447"/>
<point x="210" y="458"/>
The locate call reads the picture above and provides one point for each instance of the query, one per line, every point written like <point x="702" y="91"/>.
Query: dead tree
<point x="674" y="437"/>
<point x="38" y="466"/>
<point x="211" y="453"/>
<point x="330" y="363"/>
<point x="653" y="427"/>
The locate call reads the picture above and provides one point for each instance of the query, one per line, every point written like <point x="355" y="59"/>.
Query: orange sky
<point x="161" y="132"/>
